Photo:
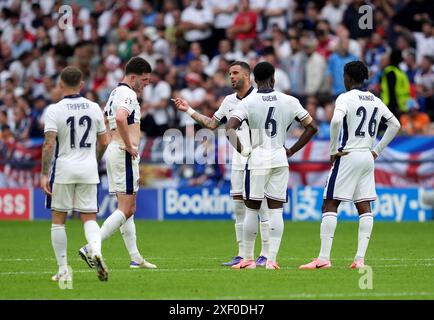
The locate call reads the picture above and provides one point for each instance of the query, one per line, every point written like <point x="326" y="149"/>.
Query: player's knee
<point x="330" y="205"/>
<point x="363" y="207"/>
<point x="252" y="204"/>
<point x="324" y="206"/>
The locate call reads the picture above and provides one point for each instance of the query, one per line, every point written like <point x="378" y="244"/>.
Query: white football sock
<point x="240" y="214"/>
<point x="250" y="231"/>
<point x="128" y="231"/>
<point x="327" y="231"/>
<point x="59" y="242"/>
<point x="366" y="222"/>
<point x="112" y="223"/>
<point x="276" y="232"/>
<point x="92" y="233"/>
<point x="264" y="226"/>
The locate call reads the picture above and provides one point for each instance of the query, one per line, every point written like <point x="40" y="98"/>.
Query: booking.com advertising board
<point x="304" y="204"/>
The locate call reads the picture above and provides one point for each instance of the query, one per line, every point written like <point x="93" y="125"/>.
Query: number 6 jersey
<point x="269" y="115"/>
<point x="77" y="122"/>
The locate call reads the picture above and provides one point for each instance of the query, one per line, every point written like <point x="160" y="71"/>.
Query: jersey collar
<point x="360" y="89"/>
<point x="72" y="96"/>
<point x="265" y="90"/>
<point x="247" y="93"/>
<point x="123" y="84"/>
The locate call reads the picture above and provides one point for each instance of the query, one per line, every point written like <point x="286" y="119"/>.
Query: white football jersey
<point x="269" y="114"/>
<point x="223" y="114"/>
<point x="77" y="122"/>
<point x="363" y="112"/>
<point x="122" y="97"/>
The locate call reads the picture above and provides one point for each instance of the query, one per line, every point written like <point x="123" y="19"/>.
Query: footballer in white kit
<point x="352" y="176"/>
<point x="74" y="176"/>
<point x="269" y="114"/>
<point x="222" y="115"/>
<point x="122" y="170"/>
<point x="239" y="73"/>
<point x="123" y="115"/>
<point x="357" y="116"/>
<point x="75" y="128"/>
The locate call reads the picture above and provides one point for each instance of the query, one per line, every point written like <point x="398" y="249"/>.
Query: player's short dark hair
<point x="242" y="64"/>
<point x="71" y="76"/>
<point x="357" y="71"/>
<point x="263" y="71"/>
<point x="138" y="66"/>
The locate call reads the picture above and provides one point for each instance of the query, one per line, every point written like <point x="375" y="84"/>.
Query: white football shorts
<point x="352" y="178"/>
<point x="237" y="182"/>
<point x="77" y="197"/>
<point x="122" y="171"/>
<point x="271" y="183"/>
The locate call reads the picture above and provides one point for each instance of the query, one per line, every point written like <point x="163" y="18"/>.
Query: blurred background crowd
<point x="190" y="45"/>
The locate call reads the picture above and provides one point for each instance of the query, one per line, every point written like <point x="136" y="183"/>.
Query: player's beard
<point x="136" y="86"/>
<point x="238" y="84"/>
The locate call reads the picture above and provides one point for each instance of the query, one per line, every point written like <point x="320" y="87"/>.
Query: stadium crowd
<point x="191" y="43"/>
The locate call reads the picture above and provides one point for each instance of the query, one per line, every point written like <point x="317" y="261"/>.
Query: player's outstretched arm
<point x="310" y="129"/>
<point x="47" y="155"/>
<point x="393" y="127"/>
<point x="207" y="122"/>
<point x="231" y="133"/>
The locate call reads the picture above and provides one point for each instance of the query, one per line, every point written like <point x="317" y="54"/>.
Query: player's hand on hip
<point x="339" y="154"/>
<point x="131" y="150"/>
<point x="374" y="155"/>
<point x="181" y="104"/>
<point x="45" y="185"/>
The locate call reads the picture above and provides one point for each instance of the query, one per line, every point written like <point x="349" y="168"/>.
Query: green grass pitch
<point x="189" y="253"/>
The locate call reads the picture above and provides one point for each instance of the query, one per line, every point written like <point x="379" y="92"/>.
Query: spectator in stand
<point x="156" y="114"/>
<point x="196" y="53"/>
<point x="295" y="67"/>
<point x="22" y="124"/>
<point x="376" y="49"/>
<point x="280" y="44"/>
<point x="19" y="43"/>
<point x="424" y="81"/>
<point x="335" y="67"/>
<point x="36" y="130"/>
<point x="245" y="51"/>
<point x="149" y="15"/>
<point x="275" y="14"/>
<point x="324" y="123"/>
<point x="196" y="25"/>
<point x="395" y="87"/>
<point x="224" y="15"/>
<point x="244" y="26"/>
<point x="409" y="65"/>
<point x="225" y="52"/>
<point x="333" y="12"/>
<point x="325" y="38"/>
<point x="354" y="46"/>
<point x="315" y="68"/>
<point x="424" y="39"/>
<point x="194" y="94"/>
<point x="415" y="122"/>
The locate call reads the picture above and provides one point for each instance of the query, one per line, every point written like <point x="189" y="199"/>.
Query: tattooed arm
<point x="47" y="155"/>
<point x="207" y="122"/>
